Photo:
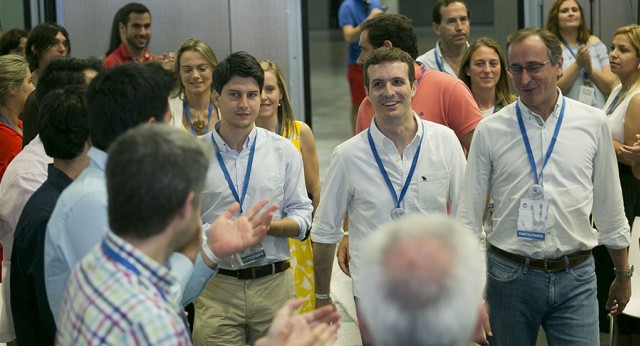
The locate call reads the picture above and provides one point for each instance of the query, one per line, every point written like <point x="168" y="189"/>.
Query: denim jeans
<point x="521" y="299"/>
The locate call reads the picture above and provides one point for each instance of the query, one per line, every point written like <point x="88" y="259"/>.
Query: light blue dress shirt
<point x="80" y="221"/>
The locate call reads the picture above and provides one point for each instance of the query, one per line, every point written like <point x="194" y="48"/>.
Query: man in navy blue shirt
<point x="64" y="133"/>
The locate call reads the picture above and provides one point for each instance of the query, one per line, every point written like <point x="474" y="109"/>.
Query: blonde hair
<point x="13" y="71"/>
<point x="503" y="93"/>
<point x="633" y="34"/>
<point x="193" y="45"/>
<point x="286" y="119"/>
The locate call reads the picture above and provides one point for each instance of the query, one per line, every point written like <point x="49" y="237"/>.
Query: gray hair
<point x="554" y="47"/>
<point x="430" y="300"/>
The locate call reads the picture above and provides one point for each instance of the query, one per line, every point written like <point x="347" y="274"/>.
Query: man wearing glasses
<point x="548" y="163"/>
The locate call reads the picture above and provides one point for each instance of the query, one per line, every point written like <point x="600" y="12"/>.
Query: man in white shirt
<point x="451" y="22"/>
<point x="249" y="164"/>
<point x="548" y="163"/>
<point x="400" y="165"/>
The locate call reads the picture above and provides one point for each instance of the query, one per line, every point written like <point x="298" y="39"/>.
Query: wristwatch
<point x="624" y="273"/>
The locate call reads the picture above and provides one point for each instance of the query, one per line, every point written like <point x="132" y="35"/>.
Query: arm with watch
<point x="620" y="289"/>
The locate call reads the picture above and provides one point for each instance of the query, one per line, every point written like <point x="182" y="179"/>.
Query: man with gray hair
<point x="548" y="163"/>
<point x="422" y="283"/>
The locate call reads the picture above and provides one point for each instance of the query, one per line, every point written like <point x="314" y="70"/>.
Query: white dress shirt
<point x="354" y="184"/>
<point x="580" y="178"/>
<point x="429" y="59"/>
<point x="23" y="177"/>
<point x="276" y="174"/>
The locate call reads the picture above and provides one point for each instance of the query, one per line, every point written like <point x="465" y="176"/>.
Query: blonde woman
<point x="277" y="116"/>
<point x="191" y="106"/>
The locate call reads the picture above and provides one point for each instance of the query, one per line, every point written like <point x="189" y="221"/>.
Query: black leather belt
<point x="256" y="272"/>
<point x="549" y="264"/>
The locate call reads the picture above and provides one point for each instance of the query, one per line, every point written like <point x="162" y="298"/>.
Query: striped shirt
<point x="117" y="295"/>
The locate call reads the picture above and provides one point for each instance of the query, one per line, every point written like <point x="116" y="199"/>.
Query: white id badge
<point x="532" y="219"/>
<point x="586" y="94"/>
<point x="250" y="255"/>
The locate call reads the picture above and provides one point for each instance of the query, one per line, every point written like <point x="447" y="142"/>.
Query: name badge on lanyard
<point x="256" y="252"/>
<point x="532" y="213"/>
<point x="398" y="211"/>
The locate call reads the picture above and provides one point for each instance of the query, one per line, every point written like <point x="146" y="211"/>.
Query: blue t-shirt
<point x="354" y="12"/>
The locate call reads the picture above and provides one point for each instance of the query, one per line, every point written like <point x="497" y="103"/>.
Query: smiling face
<point x="569" y="15"/>
<point x="454" y="27"/>
<point x="623" y="57"/>
<point x="195" y="72"/>
<point x="137" y="32"/>
<point x="271" y="95"/>
<point x="537" y="89"/>
<point x="238" y="102"/>
<point x="390" y="91"/>
<point x="484" y="68"/>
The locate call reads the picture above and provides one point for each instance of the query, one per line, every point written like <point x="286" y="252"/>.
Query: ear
<point x="414" y="87"/>
<point x="436" y="28"/>
<point x="466" y="71"/>
<point x="559" y="67"/>
<point x="387" y="44"/>
<point x="187" y="207"/>
<point x="215" y="96"/>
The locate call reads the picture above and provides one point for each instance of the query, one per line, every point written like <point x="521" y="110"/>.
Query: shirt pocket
<point x="433" y="190"/>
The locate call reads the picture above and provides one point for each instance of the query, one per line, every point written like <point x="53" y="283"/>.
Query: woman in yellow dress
<point x="277" y="116"/>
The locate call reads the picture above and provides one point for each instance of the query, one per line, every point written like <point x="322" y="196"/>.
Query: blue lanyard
<point x="613" y="103"/>
<point x="227" y="177"/>
<point x="435" y="54"/>
<point x="527" y="145"/>
<point x="424" y="69"/>
<point x="585" y="75"/>
<point x="116" y="257"/>
<point x="385" y="175"/>
<point x="8" y="123"/>
<point x="186" y="109"/>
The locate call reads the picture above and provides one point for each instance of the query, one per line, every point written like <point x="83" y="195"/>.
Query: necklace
<point x="198" y="124"/>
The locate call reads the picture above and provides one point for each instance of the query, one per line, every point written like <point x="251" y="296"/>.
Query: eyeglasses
<point x="533" y="67"/>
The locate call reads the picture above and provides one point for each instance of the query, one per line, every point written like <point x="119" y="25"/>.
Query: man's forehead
<point x="394" y="67"/>
<point x="137" y="17"/>
<point x="242" y="83"/>
<point x="531" y="47"/>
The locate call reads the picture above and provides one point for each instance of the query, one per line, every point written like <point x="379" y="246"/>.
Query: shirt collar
<point x="157" y="273"/>
<point x="380" y="139"/>
<point x="528" y="114"/>
<point x="125" y="55"/>
<point x="222" y="145"/>
<point x="57" y="177"/>
<point x="98" y="158"/>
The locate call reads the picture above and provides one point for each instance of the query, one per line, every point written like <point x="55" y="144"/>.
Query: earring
<point x="279" y="104"/>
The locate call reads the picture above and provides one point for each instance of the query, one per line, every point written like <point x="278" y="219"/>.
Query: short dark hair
<point x="238" y="64"/>
<point x="122" y="16"/>
<point x="10" y="40"/>
<point x="61" y="72"/>
<point x="151" y="170"/>
<point x="384" y="54"/>
<point x="64" y="128"/>
<point x="394" y="28"/>
<point x="125" y="96"/>
<point x="436" y="15"/>
<point x="40" y="39"/>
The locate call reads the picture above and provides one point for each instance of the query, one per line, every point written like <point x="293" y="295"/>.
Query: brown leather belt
<point x="549" y="265"/>
<point x="256" y="272"/>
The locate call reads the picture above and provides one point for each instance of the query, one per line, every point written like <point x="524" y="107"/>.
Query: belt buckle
<point x="546" y="269"/>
